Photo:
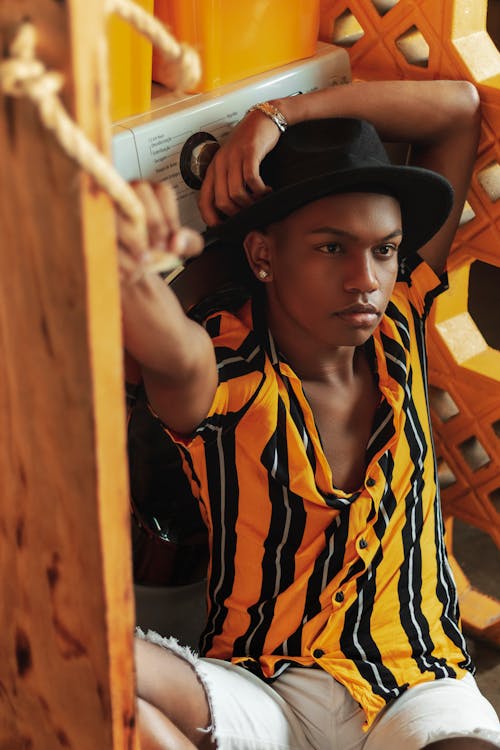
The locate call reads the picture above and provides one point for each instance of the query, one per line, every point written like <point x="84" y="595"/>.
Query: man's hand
<point x="164" y="232"/>
<point x="233" y="178"/>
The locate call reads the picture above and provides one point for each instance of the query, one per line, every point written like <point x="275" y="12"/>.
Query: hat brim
<point x="425" y="197"/>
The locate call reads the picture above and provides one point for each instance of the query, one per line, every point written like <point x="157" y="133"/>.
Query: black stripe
<point x="233" y="363"/>
<point x="402" y="324"/>
<point x="331" y="560"/>
<point x="384" y="415"/>
<point x="447" y="595"/>
<point x="388" y="503"/>
<point x="396" y="369"/>
<point x="208" y="429"/>
<point x="433" y="293"/>
<point x="278" y="568"/>
<point x="224" y="515"/>
<point x="299" y="421"/>
<point x="251" y="643"/>
<point x="212" y="326"/>
<point x="368" y="585"/>
<point x="367" y="657"/>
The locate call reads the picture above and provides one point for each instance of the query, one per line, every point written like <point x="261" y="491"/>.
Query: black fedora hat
<point x="317" y="158"/>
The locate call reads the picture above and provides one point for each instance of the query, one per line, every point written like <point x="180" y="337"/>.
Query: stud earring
<point x="262" y="274"/>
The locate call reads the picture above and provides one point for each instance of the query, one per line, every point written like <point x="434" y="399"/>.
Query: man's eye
<point x="330" y="248"/>
<point x="387" y="251"/>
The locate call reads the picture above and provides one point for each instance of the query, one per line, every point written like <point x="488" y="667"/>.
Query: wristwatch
<point x="273" y="113"/>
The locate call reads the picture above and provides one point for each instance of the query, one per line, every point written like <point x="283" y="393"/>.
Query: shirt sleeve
<point x="241" y="365"/>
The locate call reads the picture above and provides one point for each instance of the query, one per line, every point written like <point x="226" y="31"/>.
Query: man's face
<point x="333" y="265"/>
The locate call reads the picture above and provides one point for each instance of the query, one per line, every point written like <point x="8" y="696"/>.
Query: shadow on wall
<point x="493" y="21"/>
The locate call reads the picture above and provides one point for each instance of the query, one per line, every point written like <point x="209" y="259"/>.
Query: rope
<point x="23" y="75"/>
<point x="186" y="70"/>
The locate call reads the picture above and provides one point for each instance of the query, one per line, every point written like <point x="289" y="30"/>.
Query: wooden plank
<point x="66" y="613"/>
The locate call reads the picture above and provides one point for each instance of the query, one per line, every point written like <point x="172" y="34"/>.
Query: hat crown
<point x="316" y="147"/>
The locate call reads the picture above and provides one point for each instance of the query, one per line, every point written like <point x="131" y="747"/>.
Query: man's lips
<point x="359" y="315"/>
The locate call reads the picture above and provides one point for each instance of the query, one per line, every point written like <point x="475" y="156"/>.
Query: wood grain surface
<point x="66" y="604"/>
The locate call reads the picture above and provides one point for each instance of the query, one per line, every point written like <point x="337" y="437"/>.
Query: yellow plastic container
<point x="239" y="38"/>
<point x="130" y="66"/>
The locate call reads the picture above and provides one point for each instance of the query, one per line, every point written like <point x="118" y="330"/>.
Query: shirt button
<point x="339" y="596"/>
<point x="370" y="482"/>
<point x="318" y="653"/>
<point x="363" y="544"/>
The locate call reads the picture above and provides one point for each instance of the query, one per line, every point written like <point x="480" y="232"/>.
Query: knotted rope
<point x="23" y="75"/>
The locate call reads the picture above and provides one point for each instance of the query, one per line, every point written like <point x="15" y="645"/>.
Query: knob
<point x="196" y="155"/>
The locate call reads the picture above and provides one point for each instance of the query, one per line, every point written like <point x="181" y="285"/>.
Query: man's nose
<point x="360" y="274"/>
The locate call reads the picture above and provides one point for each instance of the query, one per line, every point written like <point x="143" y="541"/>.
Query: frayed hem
<point x="184" y="652"/>
<point x="170" y="643"/>
<point x="489" y="735"/>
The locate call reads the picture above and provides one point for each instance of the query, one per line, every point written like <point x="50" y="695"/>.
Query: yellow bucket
<point x="130" y="65"/>
<point x="240" y="38"/>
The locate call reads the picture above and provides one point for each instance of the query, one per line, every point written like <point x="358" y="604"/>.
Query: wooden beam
<point x="66" y="611"/>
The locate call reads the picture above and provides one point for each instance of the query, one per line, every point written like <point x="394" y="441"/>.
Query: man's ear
<point x="257" y="249"/>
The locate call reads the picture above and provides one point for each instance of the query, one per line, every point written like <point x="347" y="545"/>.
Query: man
<point x="302" y="420"/>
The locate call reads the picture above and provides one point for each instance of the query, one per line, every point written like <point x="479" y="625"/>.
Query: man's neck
<point x="310" y="358"/>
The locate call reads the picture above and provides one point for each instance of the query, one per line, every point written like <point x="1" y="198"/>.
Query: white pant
<point x="306" y="709"/>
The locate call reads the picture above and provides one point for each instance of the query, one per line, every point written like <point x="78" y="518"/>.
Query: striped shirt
<point x="301" y="572"/>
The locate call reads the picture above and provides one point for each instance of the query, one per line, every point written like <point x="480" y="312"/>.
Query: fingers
<point x="253" y="180"/>
<point x="167" y="204"/>
<point x="181" y="241"/>
<point x="165" y="236"/>
<point x="186" y="242"/>
<point x="230" y="185"/>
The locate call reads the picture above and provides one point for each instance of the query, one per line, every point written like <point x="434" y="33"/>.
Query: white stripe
<point x="231" y="360"/>
<point x="396" y="361"/>
<point x="401" y="325"/>
<point x="379" y="430"/>
<point x="443" y="564"/>
<point x="305" y="438"/>
<point x="284" y="538"/>
<point x="275" y="464"/>
<point x="343" y="500"/>
<point x="272" y="347"/>
<point x="281" y="670"/>
<point x="358" y="645"/>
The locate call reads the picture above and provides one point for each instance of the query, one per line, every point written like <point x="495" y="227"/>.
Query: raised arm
<point x="175" y="354"/>
<point x="440" y="119"/>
